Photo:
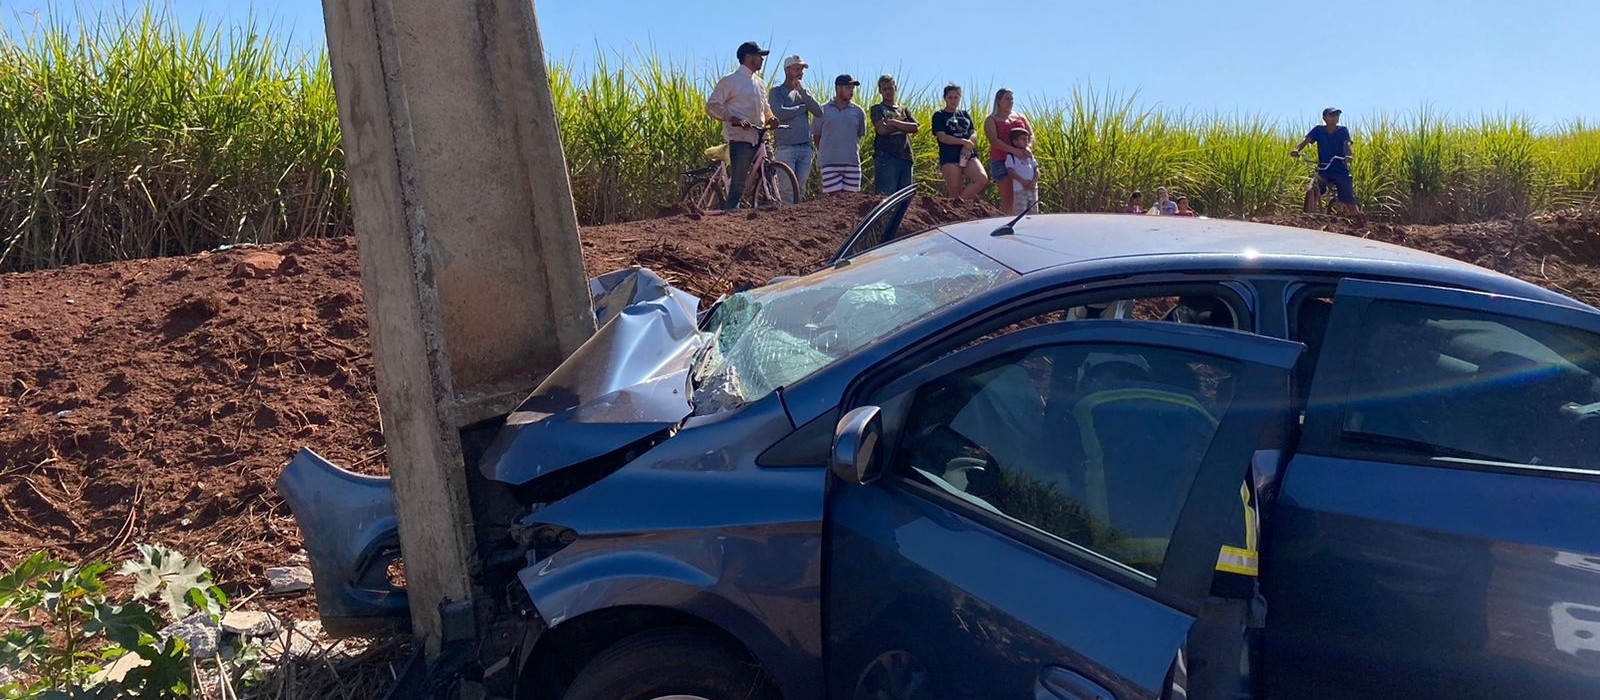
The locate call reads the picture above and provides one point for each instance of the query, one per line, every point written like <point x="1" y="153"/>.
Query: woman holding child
<point x="953" y="128"/>
<point x="998" y="127"/>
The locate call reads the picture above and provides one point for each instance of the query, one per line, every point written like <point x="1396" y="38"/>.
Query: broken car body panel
<point x="349" y="524"/>
<point x="627" y="382"/>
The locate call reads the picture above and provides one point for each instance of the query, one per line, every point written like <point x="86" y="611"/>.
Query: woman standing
<point x="953" y="127"/>
<point x="998" y="127"/>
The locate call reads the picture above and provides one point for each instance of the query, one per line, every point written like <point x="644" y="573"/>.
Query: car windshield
<point x="774" y="336"/>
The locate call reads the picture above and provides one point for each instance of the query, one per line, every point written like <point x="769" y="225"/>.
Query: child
<point x="1024" y="173"/>
<point x="1183" y="207"/>
<point x="1135" y="203"/>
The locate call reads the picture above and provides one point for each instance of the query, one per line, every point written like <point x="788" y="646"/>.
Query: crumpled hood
<point x="630" y="380"/>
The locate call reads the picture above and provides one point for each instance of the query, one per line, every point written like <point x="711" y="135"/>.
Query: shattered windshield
<point x="774" y="336"/>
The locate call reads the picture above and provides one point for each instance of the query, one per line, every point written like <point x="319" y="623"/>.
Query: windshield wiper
<point x="1421" y="448"/>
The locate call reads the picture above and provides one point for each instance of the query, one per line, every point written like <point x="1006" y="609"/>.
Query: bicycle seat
<point x="718" y="152"/>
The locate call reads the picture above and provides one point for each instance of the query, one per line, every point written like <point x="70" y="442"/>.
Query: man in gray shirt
<point x="838" y="134"/>
<point x="794" y="108"/>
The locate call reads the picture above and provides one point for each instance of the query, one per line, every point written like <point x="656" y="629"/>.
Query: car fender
<point x="565" y="588"/>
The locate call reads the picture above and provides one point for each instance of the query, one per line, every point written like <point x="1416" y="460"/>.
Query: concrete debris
<point x="250" y="623"/>
<point x="288" y="579"/>
<point x="199" y="631"/>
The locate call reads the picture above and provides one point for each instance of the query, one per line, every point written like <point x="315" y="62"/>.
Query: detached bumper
<point x="348" y="522"/>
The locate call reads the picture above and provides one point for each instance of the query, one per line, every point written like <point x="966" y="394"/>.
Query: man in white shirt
<point x="739" y="101"/>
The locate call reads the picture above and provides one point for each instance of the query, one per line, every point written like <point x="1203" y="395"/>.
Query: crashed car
<point x="1010" y="461"/>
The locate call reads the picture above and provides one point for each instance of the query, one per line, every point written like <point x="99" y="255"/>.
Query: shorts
<point x="841" y="178"/>
<point x="1340" y="181"/>
<point x="997" y="171"/>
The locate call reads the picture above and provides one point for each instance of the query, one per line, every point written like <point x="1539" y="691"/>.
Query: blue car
<point x="1070" y="456"/>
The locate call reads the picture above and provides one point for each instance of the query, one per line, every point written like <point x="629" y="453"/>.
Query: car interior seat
<point x="1203" y="310"/>
<point x="1142" y="443"/>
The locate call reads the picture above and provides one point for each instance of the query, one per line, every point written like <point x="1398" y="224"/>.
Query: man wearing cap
<point x="739" y="101"/>
<point x="894" y="125"/>
<point x="838" y="133"/>
<point x="794" y="107"/>
<point x="1333" y="161"/>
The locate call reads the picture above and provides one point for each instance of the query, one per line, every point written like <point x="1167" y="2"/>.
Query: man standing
<point x="838" y="135"/>
<point x="894" y="126"/>
<point x="1333" y="162"/>
<point x="794" y="108"/>
<point x="739" y="102"/>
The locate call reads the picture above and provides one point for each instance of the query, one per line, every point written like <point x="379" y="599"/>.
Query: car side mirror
<point x="855" y="456"/>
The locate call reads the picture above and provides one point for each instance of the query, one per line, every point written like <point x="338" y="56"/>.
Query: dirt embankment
<point x="1559" y="250"/>
<point x="157" y="400"/>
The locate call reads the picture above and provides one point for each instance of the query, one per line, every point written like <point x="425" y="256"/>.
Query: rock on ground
<point x="288" y="579"/>
<point x="251" y="623"/>
<point x="202" y="634"/>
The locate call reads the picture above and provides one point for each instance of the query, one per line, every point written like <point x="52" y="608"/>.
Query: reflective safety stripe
<point x="1242" y="561"/>
<point x="1234" y="560"/>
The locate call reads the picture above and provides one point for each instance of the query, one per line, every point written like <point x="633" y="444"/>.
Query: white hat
<point x="795" y="60"/>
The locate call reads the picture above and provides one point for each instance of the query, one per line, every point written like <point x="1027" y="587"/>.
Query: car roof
<point x="1050" y="241"/>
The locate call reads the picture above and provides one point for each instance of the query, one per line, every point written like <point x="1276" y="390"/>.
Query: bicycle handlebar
<point x="1323" y="166"/>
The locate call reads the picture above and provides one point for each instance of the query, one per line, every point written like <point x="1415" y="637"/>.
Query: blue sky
<point x="1275" y="57"/>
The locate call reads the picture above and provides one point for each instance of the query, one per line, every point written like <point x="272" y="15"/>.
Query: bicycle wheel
<point x="779" y="184"/>
<point x="706" y="192"/>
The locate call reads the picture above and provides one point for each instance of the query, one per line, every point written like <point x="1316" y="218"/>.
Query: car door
<point x="1050" y="511"/>
<point x="1434" y="536"/>
<point x="879" y="226"/>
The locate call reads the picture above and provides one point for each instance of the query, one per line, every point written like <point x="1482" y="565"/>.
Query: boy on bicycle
<point x="1333" y="161"/>
<point x="739" y="101"/>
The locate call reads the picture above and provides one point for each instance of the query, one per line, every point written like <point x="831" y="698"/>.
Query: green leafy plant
<point x="65" y="633"/>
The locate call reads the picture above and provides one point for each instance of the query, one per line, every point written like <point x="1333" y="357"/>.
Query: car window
<point x="776" y="335"/>
<point x="1096" y="445"/>
<point x="1453" y="385"/>
<point x="1198" y="304"/>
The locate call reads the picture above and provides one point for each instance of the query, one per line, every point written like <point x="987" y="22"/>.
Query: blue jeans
<point x="1339" y="180"/>
<point x="740" y="156"/>
<point x="798" y="156"/>
<point x="890" y="174"/>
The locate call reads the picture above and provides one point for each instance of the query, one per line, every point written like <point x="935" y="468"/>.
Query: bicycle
<point x="1321" y="196"/>
<point x="707" y="188"/>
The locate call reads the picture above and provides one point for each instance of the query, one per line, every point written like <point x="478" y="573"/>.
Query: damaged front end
<point x="624" y="388"/>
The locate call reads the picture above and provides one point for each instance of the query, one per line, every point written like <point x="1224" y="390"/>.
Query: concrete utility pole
<point x="470" y="262"/>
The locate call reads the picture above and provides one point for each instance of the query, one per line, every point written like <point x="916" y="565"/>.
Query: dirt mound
<point x="713" y="255"/>
<point x="1559" y="250"/>
<point x="157" y="400"/>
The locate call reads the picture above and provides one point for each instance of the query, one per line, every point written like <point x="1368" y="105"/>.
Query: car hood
<point x="629" y="381"/>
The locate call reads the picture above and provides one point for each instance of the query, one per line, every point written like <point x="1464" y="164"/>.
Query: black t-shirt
<point x="897" y="144"/>
<point x="957" y="124"/>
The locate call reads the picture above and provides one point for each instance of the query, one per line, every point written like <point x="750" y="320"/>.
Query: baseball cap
<point x="748" y="48"/>
<point x="845" y="80"/>
<point x="1332" y="110"/>
<point x="795" y="60"/>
